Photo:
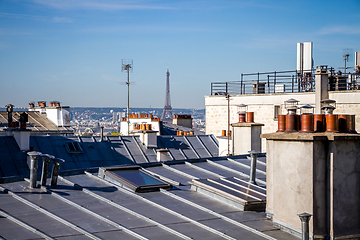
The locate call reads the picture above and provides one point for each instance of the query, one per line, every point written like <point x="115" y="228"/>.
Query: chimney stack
<point x="31" y="104"/>
<point x="184" y="120"/>
<point x="321" y="87"/>
<point x="161" y="154"/>
<point x="42" y="104"/>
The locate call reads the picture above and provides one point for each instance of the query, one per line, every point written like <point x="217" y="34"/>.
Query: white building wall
<point x="155" y="125"/>
<point x="348" y="102"/>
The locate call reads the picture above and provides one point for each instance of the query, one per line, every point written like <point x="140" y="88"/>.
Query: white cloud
<point x="15" y="32"/>
<point x="346" y="30"/>
<point x="62" y="20"/>
<point x="99" y="5"/>
<point x="25" y="16"/>
<point x="35" y="17"/>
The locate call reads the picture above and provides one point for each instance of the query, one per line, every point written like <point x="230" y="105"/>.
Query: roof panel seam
<point x="46" y="212"/>
<point x="191" y="146"/>
<point x="217" y="215"/>
<point x="89" y="192"/>
<point x="169" y="210"/>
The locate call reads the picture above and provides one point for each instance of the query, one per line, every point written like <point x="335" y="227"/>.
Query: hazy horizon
<point x="71" y="51"/>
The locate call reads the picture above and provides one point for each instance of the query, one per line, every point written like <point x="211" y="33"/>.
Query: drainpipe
<point x="253" y="158"/>
<point x="305" y="218"/>
<point x="55" y="171"/>
<point x="34" y="156"/>
<point x="46" y="158"/>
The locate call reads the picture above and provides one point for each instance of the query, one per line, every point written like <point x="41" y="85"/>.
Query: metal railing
<point x="282" y="82"/>
<point x="221" y="88"/>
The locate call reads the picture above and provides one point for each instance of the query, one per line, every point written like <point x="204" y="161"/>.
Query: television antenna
<point x="347" y="58"/>
<point x="228" y="99"/>
<point x="127" y="66"/>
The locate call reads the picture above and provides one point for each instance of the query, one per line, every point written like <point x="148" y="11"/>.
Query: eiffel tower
<point x="167" y="114"/>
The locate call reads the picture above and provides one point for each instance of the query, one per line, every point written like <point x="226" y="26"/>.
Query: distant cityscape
<point x="88" y="120"/>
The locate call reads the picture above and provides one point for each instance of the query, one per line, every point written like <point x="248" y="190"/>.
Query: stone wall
<point x="263" y="107"/>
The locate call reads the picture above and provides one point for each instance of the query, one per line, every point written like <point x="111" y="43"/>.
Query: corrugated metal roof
<point x="36" y="122"/>
<point x="113" y="151"/>
<point x="84" y="206"/>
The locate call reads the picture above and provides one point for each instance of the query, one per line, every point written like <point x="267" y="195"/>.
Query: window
<point x="132" y="177"/>
<point x="73" y="147"/>
<point x="276" y="112"/>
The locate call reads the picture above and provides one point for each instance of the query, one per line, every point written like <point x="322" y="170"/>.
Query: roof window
<point x="73" y="147"/>
<point x="133" y="178"/>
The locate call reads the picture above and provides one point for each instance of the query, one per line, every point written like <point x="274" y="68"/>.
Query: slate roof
<point x="113" y="151"/>
<point x="84" y="206"/>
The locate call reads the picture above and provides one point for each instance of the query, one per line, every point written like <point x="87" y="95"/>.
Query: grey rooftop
<point x="206" y="201"/>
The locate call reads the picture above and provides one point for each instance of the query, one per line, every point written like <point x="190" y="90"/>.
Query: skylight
<point x="73" y="147"/>
<point x="132" y="177"/>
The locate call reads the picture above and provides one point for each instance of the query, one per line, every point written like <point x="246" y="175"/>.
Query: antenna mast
<point x="346" y="58"/>
<point x="127" y="65"/>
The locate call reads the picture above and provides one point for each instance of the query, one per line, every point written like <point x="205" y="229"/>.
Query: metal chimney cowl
<point x="34" y="156"/>
<point x="46" y="158"/>
<point x="57" y="162"/>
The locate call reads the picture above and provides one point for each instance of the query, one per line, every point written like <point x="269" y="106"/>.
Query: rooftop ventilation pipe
<point x="46" y="158"/>
<point x="9" y="109"/>
<point x="34" y="156"/>
<point x="24" y="118"/>
<point x="55" y="171"/>
<point x="242" y="112"/>
<point x="102" y="134"/>
<point x="41" y="104"/>
<point x="331" y="120"/>
<point x="253" y="158"/>
<point x="292" y="120"/>
<point x="305" y="218"/>
<point x="307" y="118"/>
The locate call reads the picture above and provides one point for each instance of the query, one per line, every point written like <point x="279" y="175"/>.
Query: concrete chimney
<point x="148" y="138"/>
<point x="246" y="137"/>
<point x="162" y="154"/>
<point x="184" y="120"/>
<point x="321" y="87"/>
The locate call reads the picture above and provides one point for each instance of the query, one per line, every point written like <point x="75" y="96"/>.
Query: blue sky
<point x="71" y="50"/>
